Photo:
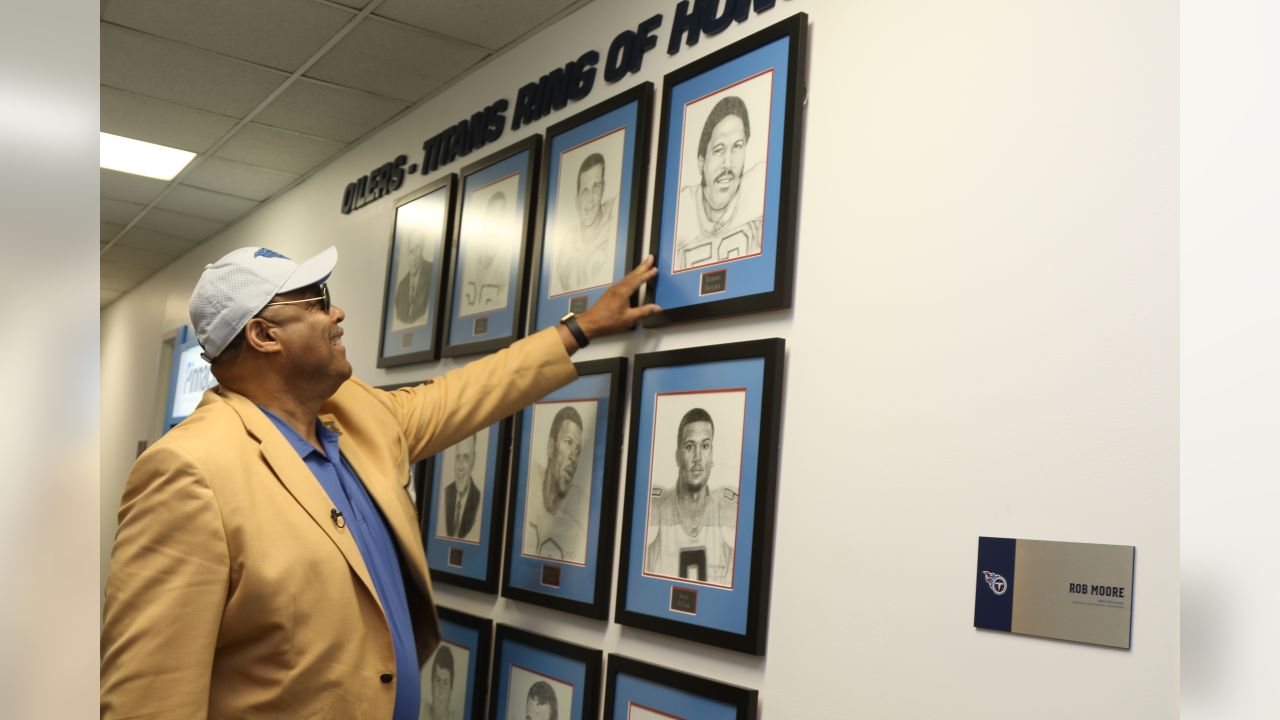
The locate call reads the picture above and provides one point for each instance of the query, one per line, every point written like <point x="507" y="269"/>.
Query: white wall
<point x="1230" y="352"/>
<point x="984" y="341"/>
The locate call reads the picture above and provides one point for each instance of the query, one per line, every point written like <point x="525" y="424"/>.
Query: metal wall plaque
<point x="1070" y="591"/>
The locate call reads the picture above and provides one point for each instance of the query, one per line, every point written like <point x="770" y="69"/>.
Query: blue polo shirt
<point x="373" y="538"/>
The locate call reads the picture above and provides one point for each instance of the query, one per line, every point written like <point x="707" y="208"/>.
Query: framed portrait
<point x="455" y="678"/>
<point x="462" y="509"/>
<point x="486" y="293"/>
<point x="724" y="202"/>
<point x="590" y="211"/>
<point x="411" y="308"/>
<point x="559" y="550"/>
<point x="636" y="690"/>
<point x="538" y="678"/>
<point x="697" y="524"/>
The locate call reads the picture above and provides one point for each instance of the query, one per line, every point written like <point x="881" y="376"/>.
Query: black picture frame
<point x="470" y="640"/>
<point x="555" y="572"/>
<point x="616" y="130"/>
<point x="469" y="557"/>
<point x="710" y="699"/>
<point x="571" y="671"/>
<point x="475" y="321"/>
<point x="418" y="474"/>
<point x="408" y="334"/>
<point x="695" y="583"/>
<point x="745" y="263"/>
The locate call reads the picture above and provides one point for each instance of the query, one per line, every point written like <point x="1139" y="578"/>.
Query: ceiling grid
<point x="266" y="92"/>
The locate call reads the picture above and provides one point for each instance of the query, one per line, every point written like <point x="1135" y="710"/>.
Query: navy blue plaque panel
<point x="993" y="603"/>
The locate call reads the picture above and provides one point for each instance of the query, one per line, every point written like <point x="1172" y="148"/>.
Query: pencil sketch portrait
<point x="489" y="240"/>
<point x="463" y="477"/>
<point x="720" y="207"/>
<point x="585" y="219"/>
<point x="694" y="485"/>
<point x="558" y="496"/>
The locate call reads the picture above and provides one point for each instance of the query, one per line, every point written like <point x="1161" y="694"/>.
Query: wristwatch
<point x="571" y="321"/>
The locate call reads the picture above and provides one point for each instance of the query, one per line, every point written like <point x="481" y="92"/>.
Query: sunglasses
<point x="325" y="301"/>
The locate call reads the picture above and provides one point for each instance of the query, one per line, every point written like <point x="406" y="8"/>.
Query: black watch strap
<point x="571" y="321"/>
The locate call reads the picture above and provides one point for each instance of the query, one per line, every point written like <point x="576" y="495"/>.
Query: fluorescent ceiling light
<point x="142" y="158"/>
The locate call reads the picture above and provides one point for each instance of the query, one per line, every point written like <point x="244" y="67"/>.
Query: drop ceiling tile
<point x="329" y="111"/>
<point x="130" y="188"/>
<point x="180" y="224"/>
<point x="121" y="277"/>
<point x="145" y="239"/>
<point x="206" y="203"/>
<point x="357" y="4"/>
<point x="233" y="178"/>
<point x="160" y="230"/>
<point x="145" y="118"/>
<point x="118" y="211"/>
<point x="488" y="23"/>
<point x="394" y="60"/>
<point x="279" y="149"/>
<point x="108" y="231"/>
<point x="167" y="70"/>
<point x="282" y="34"/>
<point x="126" y="255"/>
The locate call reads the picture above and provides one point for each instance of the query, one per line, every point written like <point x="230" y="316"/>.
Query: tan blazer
<point x="233" y="594"/>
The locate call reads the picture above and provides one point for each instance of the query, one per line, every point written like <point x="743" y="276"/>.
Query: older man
<point x="462" y="496"/>
<point x="416" y="272"/>
<point x="268" y="562"/>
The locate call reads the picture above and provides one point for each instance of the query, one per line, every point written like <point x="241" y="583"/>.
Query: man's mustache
<point x="726" y="174"/>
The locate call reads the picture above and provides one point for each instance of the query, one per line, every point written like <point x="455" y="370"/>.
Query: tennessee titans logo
<point x="268" y="253"/>
<point x="997" y="583"/>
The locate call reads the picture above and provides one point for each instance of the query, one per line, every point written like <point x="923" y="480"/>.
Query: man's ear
<point x="261" y="336"/>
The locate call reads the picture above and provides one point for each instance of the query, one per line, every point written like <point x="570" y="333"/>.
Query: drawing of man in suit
<point x="413" y="285"/>
<point x="462" y="496"/>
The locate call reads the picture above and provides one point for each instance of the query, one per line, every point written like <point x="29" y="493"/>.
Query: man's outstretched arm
<point x="613" y="312"/>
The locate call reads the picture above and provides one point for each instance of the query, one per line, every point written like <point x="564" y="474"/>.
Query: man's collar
<point x="328" y="438"/>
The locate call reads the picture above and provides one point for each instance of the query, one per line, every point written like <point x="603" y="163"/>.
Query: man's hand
<point x="613" y="312"/>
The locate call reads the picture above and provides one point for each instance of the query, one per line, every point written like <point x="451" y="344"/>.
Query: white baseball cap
<point x="236" y="287"/>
